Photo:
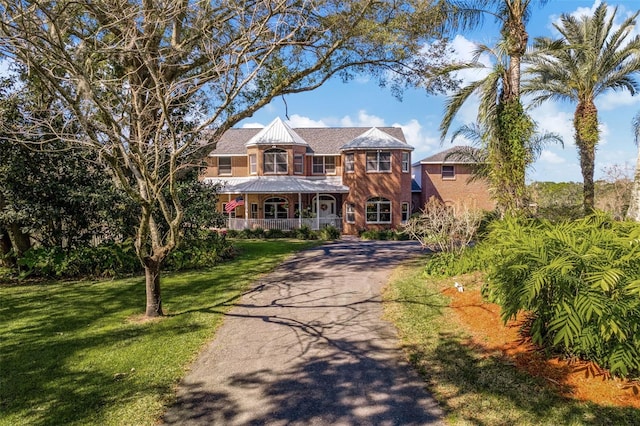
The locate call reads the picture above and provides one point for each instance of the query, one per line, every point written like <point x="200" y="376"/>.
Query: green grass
<point x="73" y="353"/>
<point x="473" y="386"/>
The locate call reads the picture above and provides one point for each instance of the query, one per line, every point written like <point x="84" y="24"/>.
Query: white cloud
<point x="299" y="121"/>
<point x="464" y="52"/>
<point x="363" y="120"/>
<point x="554" y="120"/>
<point x="612" y="100"/>
<point x="550" y="158"/>
<point x="252" y="125"/>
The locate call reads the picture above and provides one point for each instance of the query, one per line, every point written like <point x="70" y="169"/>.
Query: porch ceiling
<point x="279" y="185"/>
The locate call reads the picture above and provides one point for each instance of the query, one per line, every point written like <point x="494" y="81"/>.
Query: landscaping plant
<point x="578" y="281"/>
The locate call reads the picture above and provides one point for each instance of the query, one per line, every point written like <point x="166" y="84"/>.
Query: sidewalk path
<point x="308" y="346"/>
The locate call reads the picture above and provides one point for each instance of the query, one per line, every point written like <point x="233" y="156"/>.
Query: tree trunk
<point x="634" y="204"/>
<point x="152" y="278"/>
<point x="6" y="259"/>
<point x="587" y="136"/>
<point x="20" y="241"/>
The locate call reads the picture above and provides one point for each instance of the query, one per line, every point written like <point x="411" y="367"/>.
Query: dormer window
<point x="275" y="161"/>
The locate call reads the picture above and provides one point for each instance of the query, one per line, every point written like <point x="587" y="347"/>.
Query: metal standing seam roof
<point x="277" y="132"/>
<point x="278" y="185"/>
<point x="375" y="138"/>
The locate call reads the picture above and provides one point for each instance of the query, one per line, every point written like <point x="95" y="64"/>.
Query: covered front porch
<point x="282" y="202"/>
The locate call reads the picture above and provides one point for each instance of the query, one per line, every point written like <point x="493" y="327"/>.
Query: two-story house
<point x="277" y="177"/>
<point x="353" y="178"/>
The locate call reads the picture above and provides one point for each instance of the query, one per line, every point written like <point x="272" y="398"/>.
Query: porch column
<point x="299" y="210"/>
<point x="246" y="210"/>
<point x="229" y="218"/>
<point x="317" y="210"/>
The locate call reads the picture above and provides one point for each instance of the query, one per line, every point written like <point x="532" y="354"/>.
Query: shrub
<point x="206" y="251"/>
<point x="580" y="282"/>
<point x="444" y="228"/>
<point x="329" y="233"/>
<point x="305" y="233"/>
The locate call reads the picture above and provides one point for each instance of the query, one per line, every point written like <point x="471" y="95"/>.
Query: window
<point x="405" y="212"/>
<point x="276" y="208"/>
<point x="378" y="210"/>
<point x="224" y="165"/>
<point x="406" y="159"/>
<point x="379" y="161"/>
<point x="231" y="214"/>
<point x="254" y="211"/>
<point x="350" y="213"/>
<point x="275" y="161"/>
<point x="349" y="162"/>
<point x="448" y="172"/>
<point x="298" y="164"/>
<point x="253" y="164"/>
<point x="324" y="165"/>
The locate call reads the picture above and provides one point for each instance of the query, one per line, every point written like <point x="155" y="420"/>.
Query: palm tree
<point x="513" y="16"/>
<point x="506" y="129"/>
<point x="501" y="115"/>
<point x="634" y="204"/>
<point x="590" y="58"/>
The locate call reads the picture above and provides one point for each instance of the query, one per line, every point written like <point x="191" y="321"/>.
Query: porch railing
<point x="283" y="224"/>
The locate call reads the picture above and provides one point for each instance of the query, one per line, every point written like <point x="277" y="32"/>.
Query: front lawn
<point x="77" y="353"/>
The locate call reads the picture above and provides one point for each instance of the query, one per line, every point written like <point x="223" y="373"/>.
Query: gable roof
<point x="447" y="156"/>
<point x="319" y="140"/>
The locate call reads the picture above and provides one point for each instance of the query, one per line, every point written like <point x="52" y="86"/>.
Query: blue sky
<point x="363" y="103"/>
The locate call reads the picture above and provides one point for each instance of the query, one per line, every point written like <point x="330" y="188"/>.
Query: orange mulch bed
<point x="577" y="379"/>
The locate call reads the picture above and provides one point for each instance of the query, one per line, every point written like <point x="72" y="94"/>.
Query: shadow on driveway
<point x="310" y="347"/>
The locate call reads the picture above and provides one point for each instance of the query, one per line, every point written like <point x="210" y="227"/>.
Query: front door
<point x="327" y="207"/>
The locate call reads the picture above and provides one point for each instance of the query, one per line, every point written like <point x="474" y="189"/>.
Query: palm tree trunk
<point x="587" y="136"/>
<point x="634" y="204"/>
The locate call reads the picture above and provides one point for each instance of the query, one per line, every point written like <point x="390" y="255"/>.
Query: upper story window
<point x="349" y="162"/>
<point x="406" y="160"/>
<point x="253" y="164"/>
<point x="448" y="172"/>
<point x="378" y="210"/>
<point x="275" y="161"/>
<point x="298" y="164"/>
<point x="379" y="161"/>
<point x="324" y="165"/>
<point x="224" y="165"/>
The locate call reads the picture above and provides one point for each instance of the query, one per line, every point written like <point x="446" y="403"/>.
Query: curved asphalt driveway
<point x="308" y="346"/>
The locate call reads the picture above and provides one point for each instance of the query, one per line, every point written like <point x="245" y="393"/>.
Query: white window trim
<point x="377" y="169"/>
<point x="379" y="201"/>
<point x="447" y="177"/>
<point x="406" y="164"/>
<point x="351" y="162"/>
<point x="324" y="165"/>
<point x="253" y="165"/>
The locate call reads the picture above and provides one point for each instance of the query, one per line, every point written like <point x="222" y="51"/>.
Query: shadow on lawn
<point x="476" y="380"/>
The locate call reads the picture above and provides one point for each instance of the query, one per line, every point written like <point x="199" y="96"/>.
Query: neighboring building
<point x="448" y="179"/>
<point x="353" y="178"/>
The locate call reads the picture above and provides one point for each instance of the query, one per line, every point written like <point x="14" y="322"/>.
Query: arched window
<point x="275" y="161"/>
<point x="276" y="208"/>
<point x="378" y="210"/>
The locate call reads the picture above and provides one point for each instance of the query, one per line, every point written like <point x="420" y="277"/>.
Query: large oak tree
<point x="152" y="85"/>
